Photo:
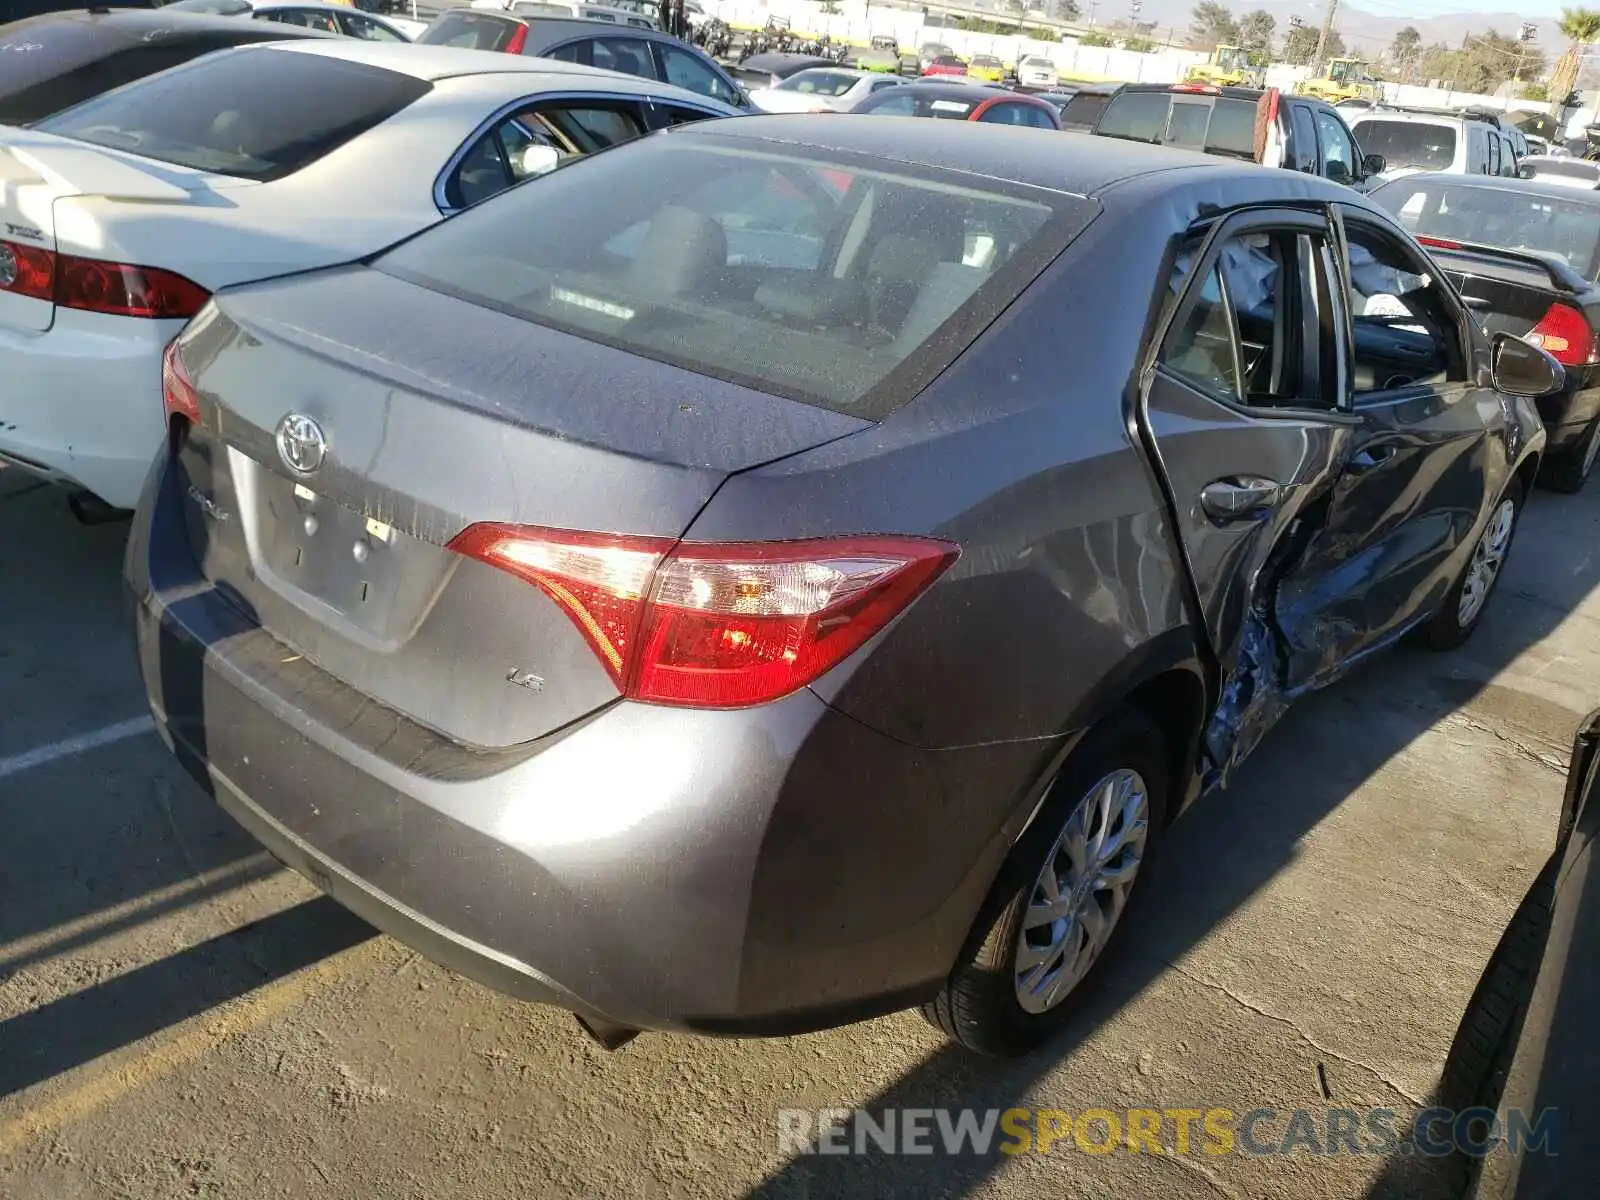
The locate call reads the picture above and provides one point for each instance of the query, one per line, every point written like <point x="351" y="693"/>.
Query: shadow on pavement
<point x="45" y="1041"/>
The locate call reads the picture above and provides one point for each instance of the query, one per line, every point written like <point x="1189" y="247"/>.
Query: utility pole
<point x="1322" y="38"/>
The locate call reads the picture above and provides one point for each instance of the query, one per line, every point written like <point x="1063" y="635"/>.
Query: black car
<point x="1300" y="133"/>
<point x="1525" y="255"/>
<point x="647" y="53"/>
<point x="1524" y="1059"/>
<point x="773" y="67"/>
<point x="79" y="54"/>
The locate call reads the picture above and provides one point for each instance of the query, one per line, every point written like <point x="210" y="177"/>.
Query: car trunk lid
<point x="435" y="414"/>
<point x="1509" y="290"/>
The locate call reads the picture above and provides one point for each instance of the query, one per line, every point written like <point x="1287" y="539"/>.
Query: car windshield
<point x="984" y="60"/>
<point x="226" y="8"/>
<point x="52" y="65"/>
<point x="820" y="83"/>
<point x="1033" y="61"/>
<point x="1215" y="126"/>
<point x="1084" y="108"/>
<point x="469" y="30"/>
<point x="841" y="285"/>
<point x="948" y="60"/>
<point x="1429" y="206"/>
<point x="1408" y="143"/>
<point x="259" y="113"/>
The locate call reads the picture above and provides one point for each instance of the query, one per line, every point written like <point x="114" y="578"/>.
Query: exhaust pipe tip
<point x="608" y="1033"/>
<point x="89" y="509"/>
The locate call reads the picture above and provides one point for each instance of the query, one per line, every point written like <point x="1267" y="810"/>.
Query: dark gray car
<point x="761" y="576"/>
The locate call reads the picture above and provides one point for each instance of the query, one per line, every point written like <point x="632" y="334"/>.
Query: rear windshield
<point x="1215" y="126"/>
<point x="46" y="66"/>
<point x="1434" y="206"/>
<point x="1084" y="108"/>
<point x="844" y="285"/>
<point x="1408" y="143"/>
<point x="226" y="8"/>
<point x="257" y="113"/>
<point x="820" y="82"/>
<point x="470" y="30"/>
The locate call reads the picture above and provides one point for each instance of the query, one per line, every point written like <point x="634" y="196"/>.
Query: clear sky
<point x="1532" y="10"/>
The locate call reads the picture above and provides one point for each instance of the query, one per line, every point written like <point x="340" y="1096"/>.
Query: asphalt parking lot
<point x="178" y="1017"/>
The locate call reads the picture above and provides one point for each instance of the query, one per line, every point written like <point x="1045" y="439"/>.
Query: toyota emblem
<point x="301" y="444"/>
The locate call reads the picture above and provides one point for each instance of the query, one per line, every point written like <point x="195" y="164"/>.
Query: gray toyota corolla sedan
<point x="763" y="576"/>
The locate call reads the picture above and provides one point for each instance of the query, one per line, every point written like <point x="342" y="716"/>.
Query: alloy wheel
<point x="1487" y="558"/>
<point x="1081" y="890"/>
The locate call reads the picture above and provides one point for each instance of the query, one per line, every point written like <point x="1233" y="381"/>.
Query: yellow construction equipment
<point x="1347" y="79"/>
<point x="1228" y="66"/>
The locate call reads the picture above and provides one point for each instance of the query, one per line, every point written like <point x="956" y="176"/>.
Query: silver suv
<point x="1462" y="143"/>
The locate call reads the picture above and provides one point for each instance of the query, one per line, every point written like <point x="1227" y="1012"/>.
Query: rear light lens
<point x="26" y="271"/>
<point x="519" y="39"/>
<point x="1206" y="89"/>
<point x="177" y="389"/>
<point x="1566" y="335"/>
<point x="716" y="625"/>
<point x="90" y="285"/>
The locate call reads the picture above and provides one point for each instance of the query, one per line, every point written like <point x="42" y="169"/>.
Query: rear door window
<point x="631" y="56"/>
<point x="256" y="113"/>
<point x="1084" y="108"/>
<point x="470" y="30"/>
<point x="303" y="18"/>
<point x="533" y="141"/>
<point x="1137" y="116"/>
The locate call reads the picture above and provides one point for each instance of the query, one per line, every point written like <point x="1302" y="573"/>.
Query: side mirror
<point x="1519" y="369"/>
<point x="537" y="159"/>
<point x="1373" y="164"/>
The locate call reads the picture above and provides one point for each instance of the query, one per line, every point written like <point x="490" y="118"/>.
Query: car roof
<point x="1503" y="183"/>
<point x="1075" y="165"/>
<point x="148" y="20"/>
<point x="1413" y="118"/>
<point x="433" y="63"/>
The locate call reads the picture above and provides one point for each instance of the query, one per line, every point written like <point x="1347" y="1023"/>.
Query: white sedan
<point x="120" y="216"/>
<point x="342" y="19"/>
<point x="1036" y="71"/>
<point x="821" y="89"/>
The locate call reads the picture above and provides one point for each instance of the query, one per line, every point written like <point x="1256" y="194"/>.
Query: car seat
<point x="683" y="251"/>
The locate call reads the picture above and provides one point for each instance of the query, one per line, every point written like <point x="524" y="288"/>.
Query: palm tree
<point x="1580" y="26"/>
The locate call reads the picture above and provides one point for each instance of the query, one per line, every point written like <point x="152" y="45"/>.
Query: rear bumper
<point x="768" y="870"/>
<point x="81" y="403"/>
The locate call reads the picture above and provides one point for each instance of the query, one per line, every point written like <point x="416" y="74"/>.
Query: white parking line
<point x="67" y="747"/>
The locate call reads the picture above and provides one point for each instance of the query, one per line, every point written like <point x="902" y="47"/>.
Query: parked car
<point x="962" y="102"/>
<point x="930" y="51"/>
<point x="1083" y="105"/>
<point x="945" y="64"/>
<point x="1525" y="1048"/>
<point x="238" y="166"/>
<point x="646" y="53"/>
<point x="82" y="53"/>
<point x="987" y="68"/>
<point x="879" y="59"/>
<point x="733" y="585"/>
<point x="821" y="89"/>
<point x="344" y="20"/>
<point x="1301" y="133"/>
<point x="1526" y="257"/>
<point x="1036" y="71"/>
<point x="1412" y="140"/>
<point x="772" y="68"/>
<point x="608" y="14"/>
<point x="1561" y="170"/>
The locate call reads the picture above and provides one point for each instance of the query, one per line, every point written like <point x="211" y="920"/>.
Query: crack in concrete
<point x="1528" y="752"/>
<point x="1210" y="1176"/>
<point x="1224" y="990"/>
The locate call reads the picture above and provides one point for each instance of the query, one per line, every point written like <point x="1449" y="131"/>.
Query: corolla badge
<point x="301" y="444"/>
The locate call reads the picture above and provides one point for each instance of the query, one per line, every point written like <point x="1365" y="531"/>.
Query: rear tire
<point x="1464" y="607"/>
<point x="1569" y="472"/>
<point x="996" y="1003"/>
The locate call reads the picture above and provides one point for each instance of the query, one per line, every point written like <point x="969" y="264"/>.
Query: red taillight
<point x="1438" y="243"/>
<point x="88" y="284"/>
<point x="519" y="39"/>
<point x="118" y="289"/>
<point x="26" y="271"/>
<point x="1566" y="335"/>
<point x="177" y="389"/>
<point x="1207" y="89"/>
<point x="716" y="625"/>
